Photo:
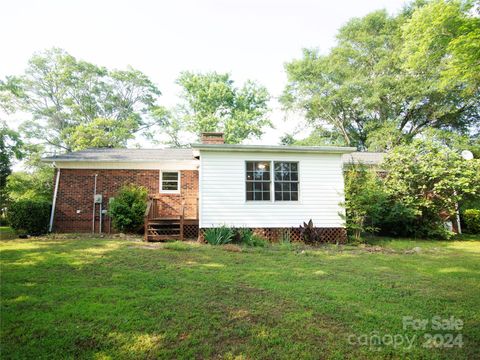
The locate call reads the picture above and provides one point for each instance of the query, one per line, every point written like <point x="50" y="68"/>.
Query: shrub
<point x="247" y="237"/>
<point x="285" y="240"/>
<point x="418" y="179"/>
<point x="471" y="219"/>
<point x="29" y="216"/>
<point x="127" y="209"/>
<point x="310" y="234"/>
<point x="364" y="201"/>
<point x="219" y="236"/>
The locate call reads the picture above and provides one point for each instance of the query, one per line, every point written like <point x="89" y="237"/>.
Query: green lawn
<point x="77" y="297"/>
<point x="7" y="233"/>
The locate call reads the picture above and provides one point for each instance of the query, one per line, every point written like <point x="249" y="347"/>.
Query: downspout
<point x="94" y="194"/>
<point x="54" y="201"/>
<point x="101" y="215"/>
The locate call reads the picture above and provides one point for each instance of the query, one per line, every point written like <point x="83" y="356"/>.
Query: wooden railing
<point x="146" y="218"/>
<point x="152" y="211"/>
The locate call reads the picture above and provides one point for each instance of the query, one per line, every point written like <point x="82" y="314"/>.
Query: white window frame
<point x="179" y="177"/>
<point x="272" y="184"/>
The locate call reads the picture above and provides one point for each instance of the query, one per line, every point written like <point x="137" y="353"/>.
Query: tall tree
<point x="10" y="149"/>
<point x="443" y="39"/>
<point x="363" y="91"/>
<point x="211" y="102"/>
<point x="61" y="93"/>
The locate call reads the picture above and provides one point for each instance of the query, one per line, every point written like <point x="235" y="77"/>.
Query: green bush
<point x="471" y="219"/>
<point x="247" y="237"/>
<point x="365" y="201"/>
<point x="127" y="209"/>
<point x="29" y="216"/>
<point x="219" y="236"/>
<point x="257" y="241"/>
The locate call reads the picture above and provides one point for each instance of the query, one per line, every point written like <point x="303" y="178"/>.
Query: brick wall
<point x="74" y="209"/>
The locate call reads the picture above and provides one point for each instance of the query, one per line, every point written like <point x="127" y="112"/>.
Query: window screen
<point x="170" y="181"/>
<point x="258" y="180"/>
<point x="286" y="181"/>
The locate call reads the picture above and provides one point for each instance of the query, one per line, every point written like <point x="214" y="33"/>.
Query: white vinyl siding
<point x="223" y="189"/>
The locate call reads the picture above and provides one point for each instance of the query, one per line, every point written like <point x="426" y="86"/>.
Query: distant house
<point x="270" y="189"/>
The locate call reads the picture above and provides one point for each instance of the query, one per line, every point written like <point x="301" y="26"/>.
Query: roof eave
<point x="50" y="160"/>
<point x="274" y="148"/>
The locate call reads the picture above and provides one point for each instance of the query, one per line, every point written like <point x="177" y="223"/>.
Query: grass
<point x="7" y="233"/>
<point x="78" y="297"/>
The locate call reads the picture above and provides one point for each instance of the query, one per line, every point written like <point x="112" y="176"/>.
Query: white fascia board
<point x="274" y="148"/>
<point x="117" y="165"/>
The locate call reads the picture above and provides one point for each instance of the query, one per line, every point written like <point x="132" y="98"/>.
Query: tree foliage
<point x="36" y="184"/>
<point x="100" y="133"/>
<point x="211" y="102"/>
<point x="29" y="216"/>
<point x="10" y="149"/>
<point x="420" y="186"/>
<point x="362" y="90"/>
<point x="365" y="200"/>
<point x="430" y="179"/>
<point x="442" y="39"/>
<point x="61" y="93"/>
<point x="127" y="209"/>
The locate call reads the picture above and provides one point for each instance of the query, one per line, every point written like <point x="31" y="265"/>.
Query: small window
<point x="286" y="181"/>
<point x="169" y="182"/>
<point x="258" y="180"/>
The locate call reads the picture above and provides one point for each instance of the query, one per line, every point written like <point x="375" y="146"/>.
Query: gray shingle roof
<point x="146" y="155"/>
<point x="367" y="158"/>
<point x="124" y="155"/>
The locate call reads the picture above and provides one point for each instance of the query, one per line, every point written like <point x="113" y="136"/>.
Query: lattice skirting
<point x="190" y="231"/>
<point x="329" y="235"/>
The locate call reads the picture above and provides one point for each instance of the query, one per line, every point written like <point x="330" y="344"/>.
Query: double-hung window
<point x="170" y="182"/>
<point x="261" y="174"/>
<point x="286" y="181"/>
<point x="258" y="180"/>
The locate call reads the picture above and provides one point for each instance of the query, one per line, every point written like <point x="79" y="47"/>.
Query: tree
<point x="443" y="39"/>
<point x="61" y="93"/>
<point x="365" y="200"/>
<point x="362" y="90"/>
<point x="430" y="179"/>
<point x="211" y="102"/>
<point x="10" y="149"/>
<point x="319" y="136"/>
<point x="31" y="185"/>
<point x="100" y="133"/>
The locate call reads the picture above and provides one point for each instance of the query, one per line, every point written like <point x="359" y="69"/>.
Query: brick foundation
<point x="329" y="235"/>
<point x="74" y="209"/>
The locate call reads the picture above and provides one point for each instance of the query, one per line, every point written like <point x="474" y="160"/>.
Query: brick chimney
<point x="213" y="138"/>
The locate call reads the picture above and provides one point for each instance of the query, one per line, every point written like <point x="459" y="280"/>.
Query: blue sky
<point x="247" y="38"/>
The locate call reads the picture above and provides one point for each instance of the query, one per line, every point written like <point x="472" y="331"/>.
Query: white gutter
<point x="274" y="148"/>
<point x="54" y="201"/>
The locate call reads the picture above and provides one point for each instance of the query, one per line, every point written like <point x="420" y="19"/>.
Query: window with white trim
<point x="286" y="180"/>
<point x="258" y="181"/>
<point x="170" y="182"/>
<point x="261" y="174"/>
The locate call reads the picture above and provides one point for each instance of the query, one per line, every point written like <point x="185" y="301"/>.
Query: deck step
<point x="163" y="237"/>
<point x="162" y="229"/>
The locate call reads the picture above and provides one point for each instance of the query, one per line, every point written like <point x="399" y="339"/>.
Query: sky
<point x="248" y="39"/>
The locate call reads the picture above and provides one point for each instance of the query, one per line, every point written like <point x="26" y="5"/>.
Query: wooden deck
<point x="161" y="228"/>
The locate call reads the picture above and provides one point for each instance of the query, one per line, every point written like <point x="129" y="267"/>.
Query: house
<point x="271" y="189"/>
